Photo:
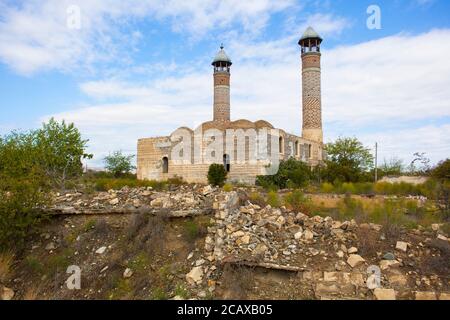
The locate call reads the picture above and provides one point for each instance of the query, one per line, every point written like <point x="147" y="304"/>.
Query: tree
<point x="119" y="164"/>
<point x="423" y="161"/>
<point x="393" y="167"/>
<point x="61" y="151"/>
<point x="291" y="174"/>
<point x="217" y="174"/>
<point x="347" y="161"/>
<point x="442" y="170"/>
<point x="23" y="187"/>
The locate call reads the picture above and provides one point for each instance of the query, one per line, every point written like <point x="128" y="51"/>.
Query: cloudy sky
<point x="138" y="68"/>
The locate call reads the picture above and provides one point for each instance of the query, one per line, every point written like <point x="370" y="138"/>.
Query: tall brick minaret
<point x="312" y="105"/>
<point x="221" y="65"/>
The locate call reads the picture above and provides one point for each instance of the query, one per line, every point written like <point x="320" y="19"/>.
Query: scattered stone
<point x="7" y="293"/>
<point x="308" y="235"/>
<point x="127" y="273"/>
<point x="386" y="264"/>
<point x="298" y="235"/>
<point x="402" y="246"/>
<point x="114" y="201"/>
<point x="355" y="260"/>
<point x="195" y="276"/>
<point x="352" y="250"/>
<point x="50" y="246"/>
<point x="101" y="250"/>
<point x="340" y="254"/>
<point x="389" y="256"/>
<point x="384" y="294"/>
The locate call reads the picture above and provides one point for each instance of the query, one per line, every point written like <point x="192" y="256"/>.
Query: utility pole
<point x="376" y="164"/>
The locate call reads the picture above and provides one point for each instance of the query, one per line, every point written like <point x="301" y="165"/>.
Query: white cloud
<point x="34" y="35"/>
<point x="381" y="87"/>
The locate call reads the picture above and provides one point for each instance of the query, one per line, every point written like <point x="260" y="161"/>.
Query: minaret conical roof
<point x="310" y="33"/>
<point x="221" y="56"/>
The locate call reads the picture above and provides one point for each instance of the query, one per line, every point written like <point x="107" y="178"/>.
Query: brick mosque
<point x="160" y="158"/>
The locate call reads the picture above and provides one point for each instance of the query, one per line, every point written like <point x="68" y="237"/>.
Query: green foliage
<point x="273" y="199"/>
<point x="227" y="187"/>
<point x="217" y="174"/>
<point x="348" y="161"/>
<point x="297" y="201"/>
<point x="442" y="170"/>
<point x="393" y="167"/>
<point x="291" y="174"/>
<point x="119" y="164"/>
<point x="61" y="150"/>
<point x="23" y="187"/>
<point x="327" y="187"/>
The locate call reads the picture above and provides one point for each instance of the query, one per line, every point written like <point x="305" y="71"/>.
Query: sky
<point x="129" y="69"/>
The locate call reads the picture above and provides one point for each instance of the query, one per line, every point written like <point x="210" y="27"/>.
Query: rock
<point x="50" y="246"/>
<point x="190" y="255"/>
<point x="308" y="235"/>
<point x="298" y="235"/>
<point x="207" y="190"/>
<point x="386" y="264"/>
<point x="101" y="250"/>
<point x="340" y="254"/>
<point x="7" y="293"/>
<point x="389" y="256"/>
<point x="127" y="273"/>
<point x="441" y="237"/>
<point x="352" y="250"/>
<point x="195" y="276"/>
<point x="330" y="276"/>
<point x="402" y="246"/>
<point x="384" y="294"/>
<point x="398" y="280"/>
<point x="243" y="240"/>
<point x="435" y="226"/>
<point x="323" y="289"/>
<point x="355" y="260"/>
<point x="425" y="295"/>
<point x="336" y="225"/>
<point x="200" y="262"/>
<point x="114" y="201"/>
<point x="260" y="249"/>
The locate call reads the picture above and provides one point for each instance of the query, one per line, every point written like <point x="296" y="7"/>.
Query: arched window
<point x="165" y="164"/>
<point x="281" y="144"/>
<point x="226" y="162"/>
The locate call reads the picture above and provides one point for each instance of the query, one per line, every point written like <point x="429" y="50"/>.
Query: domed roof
<point x="310" y="33"/>
<point x="221" y="56"/>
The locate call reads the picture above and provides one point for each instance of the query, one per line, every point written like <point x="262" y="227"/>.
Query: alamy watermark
<point x="374" y="20"/>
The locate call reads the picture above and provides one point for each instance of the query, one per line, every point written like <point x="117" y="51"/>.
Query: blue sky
<point x="142" y="68"/>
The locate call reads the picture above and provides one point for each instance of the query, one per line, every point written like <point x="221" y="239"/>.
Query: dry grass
<point x="237" y="281"/>
<point x="6" y="261"/>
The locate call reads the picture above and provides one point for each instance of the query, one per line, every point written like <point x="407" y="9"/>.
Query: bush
<point x="227" y="187"/>
<point x="442" y="170"/>
<point x="297" y="201"/>
<point x="327" y="187"/>
<point x="118" y="163"/>
<point x="217" y="174"/>
<point x="273" y="200"/>
<point x="291" y="174"/>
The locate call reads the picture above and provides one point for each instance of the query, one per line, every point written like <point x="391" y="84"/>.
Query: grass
<point x="34" y="265"/>
<point x="159" y="294"/>
<point x="297" y="201"/>
<point x="273" y="199"/>
<point x="227" y="187"/>
<point x="6" y="261"/>
<point x="181" y="291"/>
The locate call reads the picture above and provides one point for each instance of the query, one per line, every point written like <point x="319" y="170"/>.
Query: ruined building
<point x="247" y="149"/>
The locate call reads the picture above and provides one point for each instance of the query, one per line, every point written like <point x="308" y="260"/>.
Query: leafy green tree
<point x="217" y="174"/>
<point x="119" y="164"/>
<point x="393" y="167"/>
<point x="291" y="174"/>
<point x="347" y="161"/>
<point x="442" y="170"/>
<point x="61" y="151"/>
<point x="23" y="187"/>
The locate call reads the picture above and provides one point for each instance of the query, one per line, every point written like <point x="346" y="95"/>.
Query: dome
<point x="221" y="56"/>
<point x="310" y="33"/>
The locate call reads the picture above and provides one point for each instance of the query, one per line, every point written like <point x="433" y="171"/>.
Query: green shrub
<point x="273" y="199"/>
<point x="256" y="198"/>
<point x="327" y="187"/>
<point x="217" y="174"/>
<point x="291" y="174"/>
<point x="297" y="201"/>
<point x="228" y="187"/>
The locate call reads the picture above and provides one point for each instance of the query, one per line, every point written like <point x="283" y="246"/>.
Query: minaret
<point x="221" y="65"/>
<point x="312" y="105"/>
